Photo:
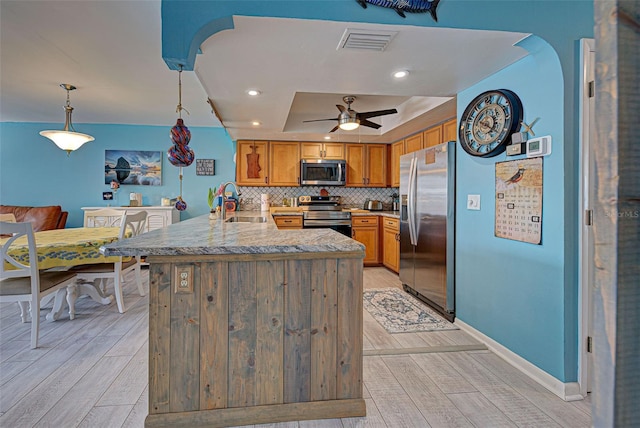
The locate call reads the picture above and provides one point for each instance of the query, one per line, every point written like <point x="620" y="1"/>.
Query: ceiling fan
<point x="349" y="120"/>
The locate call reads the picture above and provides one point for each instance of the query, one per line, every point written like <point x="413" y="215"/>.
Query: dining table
<point x="65" y="248"/>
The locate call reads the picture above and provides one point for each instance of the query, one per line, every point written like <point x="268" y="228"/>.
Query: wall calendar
<point x="519" y="200"/>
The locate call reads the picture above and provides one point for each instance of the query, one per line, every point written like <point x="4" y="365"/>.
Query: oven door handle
<point x="326" y="223"/>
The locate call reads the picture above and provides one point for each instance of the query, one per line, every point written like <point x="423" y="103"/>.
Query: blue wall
<point x="513" y="291"/>
<point x="35" y="172"/>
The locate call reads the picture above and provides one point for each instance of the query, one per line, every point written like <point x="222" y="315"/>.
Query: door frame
<point x="587" y="178"/>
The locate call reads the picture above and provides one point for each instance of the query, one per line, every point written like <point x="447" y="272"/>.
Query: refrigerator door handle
<point x="411" y="207"/>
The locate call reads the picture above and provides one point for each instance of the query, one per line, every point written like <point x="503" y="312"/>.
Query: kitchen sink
<point x="246" y="220"/>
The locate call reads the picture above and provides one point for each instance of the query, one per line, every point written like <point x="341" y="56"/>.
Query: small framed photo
<point x="107" y="196"/>
<point x="205" y="167"/>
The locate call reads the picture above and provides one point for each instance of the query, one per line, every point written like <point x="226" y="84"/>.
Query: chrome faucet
<point x="223" y="211"/>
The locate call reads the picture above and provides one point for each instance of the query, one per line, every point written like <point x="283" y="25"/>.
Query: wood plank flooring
<point x="92" y="372"/>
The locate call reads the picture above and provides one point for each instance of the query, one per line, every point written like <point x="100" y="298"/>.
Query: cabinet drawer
<point x="391" y="223"/>
<point x="364" y="221"/>
<point x="288" y="221"/>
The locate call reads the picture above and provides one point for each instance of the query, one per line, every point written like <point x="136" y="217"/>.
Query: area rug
<point x="399" y="312"/>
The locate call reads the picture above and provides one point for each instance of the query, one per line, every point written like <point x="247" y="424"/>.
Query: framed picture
<point x="107" y="196"/>
<point x="205" y="167"/>
<point x="133" y="167"/>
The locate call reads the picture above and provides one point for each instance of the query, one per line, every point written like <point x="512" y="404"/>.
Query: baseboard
<point x="569" y="391"/>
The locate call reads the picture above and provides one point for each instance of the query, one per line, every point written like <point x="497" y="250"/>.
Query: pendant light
<point x="67" y="139"/>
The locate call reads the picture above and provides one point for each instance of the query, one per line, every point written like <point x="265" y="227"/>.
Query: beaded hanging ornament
<point x="180" y="154"/>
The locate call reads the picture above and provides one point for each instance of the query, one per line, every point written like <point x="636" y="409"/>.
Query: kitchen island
<point x="249" y="324"/>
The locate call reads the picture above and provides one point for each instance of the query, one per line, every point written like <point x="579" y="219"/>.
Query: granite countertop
<point x="354" y="212"/>
<point x="202" y="236"/>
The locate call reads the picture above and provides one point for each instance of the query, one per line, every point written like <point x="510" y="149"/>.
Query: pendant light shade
<point x="67" y="139"/>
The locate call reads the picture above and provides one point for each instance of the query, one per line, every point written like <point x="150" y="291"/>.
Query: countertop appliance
<point x="325" y="212"/>
<point x="323" y="172"/>
<point x="427" y="226"/>
<point x="373" y="205"/>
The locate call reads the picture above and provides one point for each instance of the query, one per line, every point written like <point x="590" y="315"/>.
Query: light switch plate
<point x="473" y="202"/>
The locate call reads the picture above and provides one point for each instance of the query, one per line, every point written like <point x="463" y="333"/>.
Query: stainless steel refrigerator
<point x="427" y="226"/>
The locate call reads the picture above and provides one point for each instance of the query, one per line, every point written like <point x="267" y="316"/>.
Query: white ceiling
<point x="111" y="50"/>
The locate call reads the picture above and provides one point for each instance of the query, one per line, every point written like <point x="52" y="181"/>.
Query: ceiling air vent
<point x="372" y="40"/>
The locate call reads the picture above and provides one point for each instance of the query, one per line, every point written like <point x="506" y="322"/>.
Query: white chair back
<point x="20" y="270"/>
<point x="136" y="222"/>
<point x="106" y="217"/>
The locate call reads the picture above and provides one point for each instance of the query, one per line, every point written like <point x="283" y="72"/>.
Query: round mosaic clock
<point x="488" y="122"/>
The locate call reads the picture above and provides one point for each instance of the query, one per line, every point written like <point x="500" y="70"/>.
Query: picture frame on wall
<point x="205" y="167"/>
<point x="135" y="167"/>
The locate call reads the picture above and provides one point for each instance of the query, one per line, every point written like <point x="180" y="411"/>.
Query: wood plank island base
<point x="249" y="324"/>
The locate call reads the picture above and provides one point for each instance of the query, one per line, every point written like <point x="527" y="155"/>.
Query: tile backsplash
<point x="352" y="197"/>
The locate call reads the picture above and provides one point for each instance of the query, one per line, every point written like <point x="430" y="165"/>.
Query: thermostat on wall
<point x="539" y="146"/>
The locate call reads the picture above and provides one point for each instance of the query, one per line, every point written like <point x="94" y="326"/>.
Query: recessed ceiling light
<point x="400" y="74"/>
<point x="255" y="123"/>
<point x="327" y="137"/>
<point x="253" y="92"/>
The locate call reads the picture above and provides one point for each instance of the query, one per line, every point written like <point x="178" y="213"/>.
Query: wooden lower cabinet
<point x="364" y="229"/>
<point x="254" y="338"/>
<point x="288" y="221"/>
<point x="391" y="243"/>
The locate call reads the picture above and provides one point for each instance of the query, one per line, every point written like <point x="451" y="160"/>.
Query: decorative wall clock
<point x="488" y="122"/>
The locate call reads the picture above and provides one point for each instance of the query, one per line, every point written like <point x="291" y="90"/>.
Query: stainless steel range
<point x="324" y="212"/>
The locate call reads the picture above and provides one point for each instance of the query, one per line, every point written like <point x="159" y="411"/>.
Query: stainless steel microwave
<point x="323" y="172"/>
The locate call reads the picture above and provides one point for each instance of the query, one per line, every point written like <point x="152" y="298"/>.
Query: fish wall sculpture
<point x="402" y="6"/>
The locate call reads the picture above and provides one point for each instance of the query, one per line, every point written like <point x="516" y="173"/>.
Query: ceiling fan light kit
<point x="349" y="120"/>
<point x="67" y="139"/>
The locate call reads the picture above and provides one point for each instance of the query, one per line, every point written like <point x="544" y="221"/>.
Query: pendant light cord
<point x="179" y="108"/>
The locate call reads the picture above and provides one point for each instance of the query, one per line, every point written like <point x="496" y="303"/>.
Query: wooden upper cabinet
<point x="413" y="143"/>
<point x="321" y="150"/>
<point x="396" y="150"/>
<point x="450" y="130"/>
<point x="366" y="165"/>
<point x="355" y="156"/>
<point x="376" y="165"/>
<point x="432" y="136"/>
<point x="284" y="163"/>
<point x="252" y="163"/>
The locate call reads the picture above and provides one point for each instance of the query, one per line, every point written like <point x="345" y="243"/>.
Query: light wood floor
<point x="92" y="372"/>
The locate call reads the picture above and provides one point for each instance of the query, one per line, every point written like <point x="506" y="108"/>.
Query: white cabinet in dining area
<point x="157" y="216"/>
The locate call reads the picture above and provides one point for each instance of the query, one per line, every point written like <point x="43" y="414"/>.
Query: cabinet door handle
<point x="364" y="221"/>
<point x="266" y="179"/>
<point x="353" y="233"/>
<point x="287" y="221"/>
<point x="298" y="180"/>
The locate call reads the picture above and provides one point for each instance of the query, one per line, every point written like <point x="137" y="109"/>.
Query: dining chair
<point x="23" y="282"/>
<point x="131" y="224"/>
<point x="106" y="217"/>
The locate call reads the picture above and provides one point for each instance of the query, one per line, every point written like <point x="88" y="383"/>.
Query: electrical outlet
<point x="183" y="279"/>
<point x="473" y="202"/>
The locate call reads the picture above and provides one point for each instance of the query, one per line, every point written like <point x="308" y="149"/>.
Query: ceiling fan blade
<point x="368" y="114"/>
<point x="319" y="120"/>
<point x="369" y="124"/>
<point x="341" y="108"/>
<point x="335" y="129"/>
